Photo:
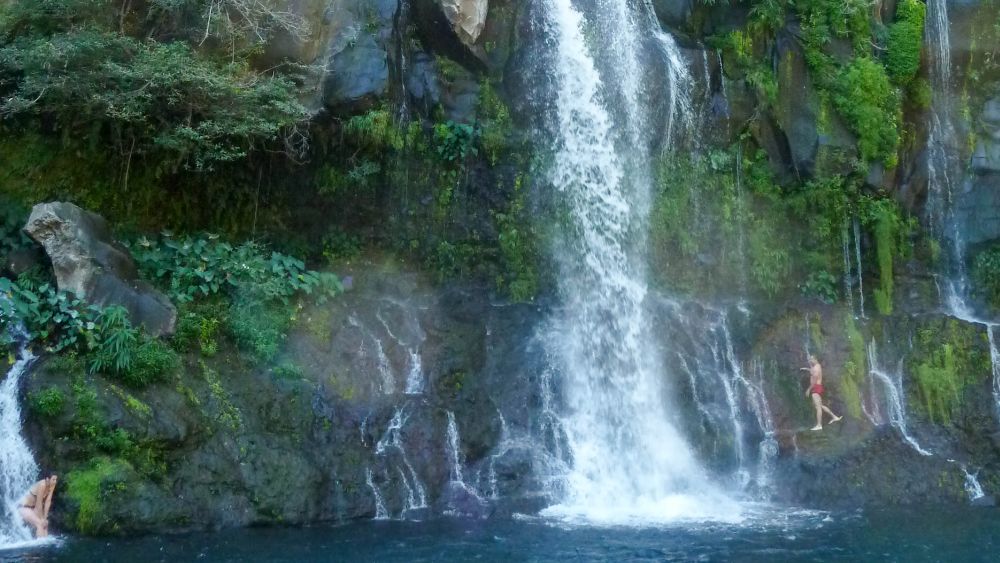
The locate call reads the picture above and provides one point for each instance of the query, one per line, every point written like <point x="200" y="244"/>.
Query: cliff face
<point x="424" y="389"/>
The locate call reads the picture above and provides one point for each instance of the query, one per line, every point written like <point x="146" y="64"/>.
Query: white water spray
<point x="972" y="486"/>
<point x="380" y="511"/>
<point x="18" y="469"/>
<point x="895" y="398"/>
<point x="416" y="494"/>
<point x="628" y="462"/>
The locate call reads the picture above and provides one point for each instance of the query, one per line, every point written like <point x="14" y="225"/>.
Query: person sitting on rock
<point x="816" y="391"/>
<point x="35" y="504"/>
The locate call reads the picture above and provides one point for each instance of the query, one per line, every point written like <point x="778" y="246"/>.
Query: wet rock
<point x="673" y="13"/>
<point x="90" y="264"/>
<point x="467" y="17"/>
<point x="348" y="43"/>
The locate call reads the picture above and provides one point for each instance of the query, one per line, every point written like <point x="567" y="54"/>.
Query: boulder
<point x="467" y="17"/>
<point x="89" y="263"/>
<point x="348" y="43"/>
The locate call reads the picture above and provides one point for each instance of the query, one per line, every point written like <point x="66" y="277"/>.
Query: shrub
<point x="116" y="342"/>
<point x="152" y="361"/>
<point x="258" y="328"/>
<point x="48" y="403"/>
<point x="822" y="285"/>
<point x="863" y="95"/>
<point x="905" y="40"/>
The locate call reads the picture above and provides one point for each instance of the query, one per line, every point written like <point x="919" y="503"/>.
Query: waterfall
<point x="628" y="460"/>
<point x="895" y="398"/>
<point x="941" y="144"/>
<point x="380" y="511"/>
<point x="972" y="486"/>
<point x="415" y="492"/>
<point x="857" y="256"/>
<point x="845" y="239"/>
<point x="18" y="469"/>
<point x="995" y="363"/>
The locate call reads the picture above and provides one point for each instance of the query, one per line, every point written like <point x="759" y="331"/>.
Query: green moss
<point x="950" y="355"/>
<point x="133" y="404"/>
<point x="495" y="122"/>
<point x="938" y="382"/>
<point x="228" y="414"/>
<point x="889" y="228"/>
<point x="90" y="490"/>
<point x="855" y="369"/>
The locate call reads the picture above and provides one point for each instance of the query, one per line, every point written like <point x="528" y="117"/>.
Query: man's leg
<point x="818" y="403"/>
<point x="833" y="417"/>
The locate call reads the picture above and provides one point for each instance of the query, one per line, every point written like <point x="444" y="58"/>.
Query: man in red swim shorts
<point x="816" y="392"/>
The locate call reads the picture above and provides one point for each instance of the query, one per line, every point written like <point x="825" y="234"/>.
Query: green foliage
<point x="707" y="225"/>
<point x="258" y="327"/>
<point x="949" y="356"/>
<point x="494" y="122"/>
<point x="455" y="142"/>
<point x="891" y="232"/>
<point x="287" y="370"/>
<point x="518" y="250"/>
<point x="767" y="16"/>
<point x="855" y="369"/>
<point x="12" y="219"/>
<point x="161" y="98"/>
<point x="374" y="129"/>
<point x="198" y="327"/>
<point x="339" y="245"/>
<point x="55" y="319"/>
<point x="48" y="403"/>
<point x="116" y="342"/>
<point x="986" y="275"/>
<point x="905" y="41"/>
<point x="938" y="383"/>
<point x="820" y="284"/>
<point x="192" y="268"/>
<point x="90" y="489"/>
<point x="863" y="94"/>
<point x="152" y="361"/>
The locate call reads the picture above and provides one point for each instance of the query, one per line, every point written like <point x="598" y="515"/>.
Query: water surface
<point x="908" y="535"/>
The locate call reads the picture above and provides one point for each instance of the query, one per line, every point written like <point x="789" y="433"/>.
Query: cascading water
<point x="628" y="461"/>
<point x="894" y="397"/>
<point x="18" y="469"/>
<point x="972" y="486"/>
<point x="392" y="441"/>
<point x="380" y="511"/>
<point x="944" y="167"/>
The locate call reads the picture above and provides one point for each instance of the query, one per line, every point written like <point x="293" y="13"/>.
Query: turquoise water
<point x="898" y="535"/>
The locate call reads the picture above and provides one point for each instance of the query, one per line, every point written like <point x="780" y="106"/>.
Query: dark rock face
<point x="673" y="13"/>
<point x="383" y="376"/>
<point x="90" y="264"/>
